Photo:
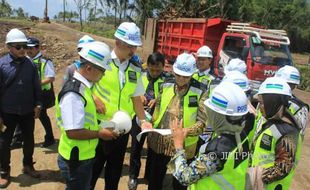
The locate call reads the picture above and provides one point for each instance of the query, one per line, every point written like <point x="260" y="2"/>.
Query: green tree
<point x="5" y="9"/>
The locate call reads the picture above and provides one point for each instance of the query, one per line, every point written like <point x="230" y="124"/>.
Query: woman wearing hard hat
<point x="277" y="142"/>
<point x="297" y="107"/>
<point x="223" y="162"/>
<point x="181" y="98"/>
<point x="77" y="118"/>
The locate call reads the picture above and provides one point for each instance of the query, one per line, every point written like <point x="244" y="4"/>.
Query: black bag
<point x="48" y="97"/>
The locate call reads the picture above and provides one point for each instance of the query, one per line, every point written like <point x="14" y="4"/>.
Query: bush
<point x="305" y="77"/>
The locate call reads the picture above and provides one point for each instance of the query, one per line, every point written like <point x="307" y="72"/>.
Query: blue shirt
<point x="24" y="93"/>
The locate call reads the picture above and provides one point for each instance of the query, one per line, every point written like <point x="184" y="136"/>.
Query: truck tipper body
<point x="263" y="50"/>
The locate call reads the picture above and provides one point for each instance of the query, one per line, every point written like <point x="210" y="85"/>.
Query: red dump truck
<point x="263" y="50"/>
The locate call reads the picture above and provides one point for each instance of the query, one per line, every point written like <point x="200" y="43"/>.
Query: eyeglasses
<point x="19" y="46"/>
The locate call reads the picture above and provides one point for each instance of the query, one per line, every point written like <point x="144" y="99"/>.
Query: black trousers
<point x="135" y="152"/>
<point x="111" y="155"/>
<point x="26" y="123"/>
<point x="158" y="168"/>
<point x="46" y="122"/>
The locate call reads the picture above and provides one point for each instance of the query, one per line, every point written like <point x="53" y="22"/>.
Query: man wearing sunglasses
<point x="19" y="103"/>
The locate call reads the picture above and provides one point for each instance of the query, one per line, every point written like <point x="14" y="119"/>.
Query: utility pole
<point x="46" y="18"/>
<point x="64" y="15"/>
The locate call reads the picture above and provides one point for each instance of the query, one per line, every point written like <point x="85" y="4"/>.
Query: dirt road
<point x="61" y="44"/>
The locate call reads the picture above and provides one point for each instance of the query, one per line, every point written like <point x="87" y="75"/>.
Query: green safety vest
<point x="265" y="156"/>
<point x="157" y="83"/>
<point x="41" y="63"/>
<point x="86" y="147"/>
<point x="230" y="177"/>
<point x="109" y="91"/>
<point x="204" y="79"/>
<point x="190" y="107"/>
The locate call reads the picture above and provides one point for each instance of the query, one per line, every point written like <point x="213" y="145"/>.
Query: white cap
<point x="275" y="85"/>
<point x="97" y="53"/>
<point x="289" y="73"/>
<point x="204" y="51"/>
<point x="122" y="122"/>
<point x="238" y="78"/>
<point x="228" y="99"/>
<point x="15" y="36"/>
<point x="235" y="64"/>
<point x="84" y="40"/>
<point x="185" y="65"/>
<point x="129" y="33"/>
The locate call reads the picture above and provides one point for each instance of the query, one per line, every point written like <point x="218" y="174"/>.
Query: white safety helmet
<point x="84" y="40"/>
<point x="129" y="33"/>
<point x="239" y="79"/>
<point x="235" y="64"/>
<point x="97" y="53"/>
<point x="289" y="73"/>
<point x="16" y="36"/>
<point x="204" y="51"/>
<point x="275" y="85"/>
<point x="122" y="122"/>
<point x="228" y="99"/>
<point x="185" y="65"/>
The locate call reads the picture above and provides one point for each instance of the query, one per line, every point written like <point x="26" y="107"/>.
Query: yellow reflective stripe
<point x="101" y="94"/>
<point x="87" y="114"/>
<point x="103" y="89"/>
<point x="222" y="182"/>
<point x="87" y="120"/>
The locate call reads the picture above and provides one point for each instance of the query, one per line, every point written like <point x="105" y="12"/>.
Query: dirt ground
<point x="60" y="46"/>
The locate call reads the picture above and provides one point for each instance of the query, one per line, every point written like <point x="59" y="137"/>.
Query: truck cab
<point x="264" y="51"/>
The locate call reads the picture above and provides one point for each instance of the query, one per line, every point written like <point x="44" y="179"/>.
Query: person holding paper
<point x="180" y="98"/>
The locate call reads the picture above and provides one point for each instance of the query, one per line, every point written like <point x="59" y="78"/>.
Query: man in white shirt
<point x="120" y="89"/>
<point x="77" y="118"/>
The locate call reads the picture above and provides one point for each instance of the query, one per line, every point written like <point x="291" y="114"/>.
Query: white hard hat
<point x="289" y="73"/>
<point x="185" y="65"/>
<point x="122" y="122"/>
<point x="238" y="78"/>
<point x="15" y="36"/>
<point x="84" y="40"/>
<point x="97" y="53"/>
<point x="235" y="64"/>
<point x="129" y="33"/>
<point x="275" y="85"/>
<point x="228" y="99"/>
<point x="204" y="51"/>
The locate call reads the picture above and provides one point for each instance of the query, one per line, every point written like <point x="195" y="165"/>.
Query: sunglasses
<point x="20" y="46"/>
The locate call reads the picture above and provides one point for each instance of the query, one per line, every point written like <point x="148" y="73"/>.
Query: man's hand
<point x="144" y="100"/>
<point x="178" y="133"/>
<point x="100" y="107"/>
<point x="37" y="111"/>
<point x="152" y="103"/>
<point x="146" y="125"/>
<point x="2" y="127"/>
<point x="107" y="134"/>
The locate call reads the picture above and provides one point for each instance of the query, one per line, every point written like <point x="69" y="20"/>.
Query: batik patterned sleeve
<point x="284" y="159"/>
<point x="187" y="174"/>
<point x="202" y="118"/>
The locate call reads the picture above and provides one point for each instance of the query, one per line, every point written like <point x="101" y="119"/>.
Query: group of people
<point x="224" y="135"/>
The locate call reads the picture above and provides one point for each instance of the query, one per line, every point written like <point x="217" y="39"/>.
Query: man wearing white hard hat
<point x="297" y="107"/>
<point x="20" y="103"/>
<point x="181" y="98"/>
<point x="76" y="64"/>
<point x="222" y="163"/>
<point x="120" y="89"/>
<point x="277" y="142"/>
<point x="204" y="58"/>
<point x="77" y="118"/>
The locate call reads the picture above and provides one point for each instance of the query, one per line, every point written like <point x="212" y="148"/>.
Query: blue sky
<point x="36" y="7"/>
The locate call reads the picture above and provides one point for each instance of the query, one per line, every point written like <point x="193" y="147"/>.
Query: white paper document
<point x="160" y="131"/>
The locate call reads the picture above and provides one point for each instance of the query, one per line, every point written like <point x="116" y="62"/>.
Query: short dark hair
<point x="156" y="58"/>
